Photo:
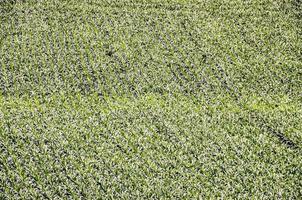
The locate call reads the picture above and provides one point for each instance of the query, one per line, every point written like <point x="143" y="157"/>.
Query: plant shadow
<point x="6" y="6"/>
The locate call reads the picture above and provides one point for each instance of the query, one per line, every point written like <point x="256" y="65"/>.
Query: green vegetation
<point x="150" y="99"/>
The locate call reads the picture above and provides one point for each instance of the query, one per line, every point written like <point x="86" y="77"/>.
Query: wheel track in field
<point x="182" y="74"/>
<point x="226" y="83"/>
<point x="254" y="118"/>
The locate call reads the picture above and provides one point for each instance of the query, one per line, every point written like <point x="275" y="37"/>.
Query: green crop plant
<point x="150" y="99"/>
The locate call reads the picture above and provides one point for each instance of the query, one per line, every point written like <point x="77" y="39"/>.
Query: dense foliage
<point x="150" y="99"/>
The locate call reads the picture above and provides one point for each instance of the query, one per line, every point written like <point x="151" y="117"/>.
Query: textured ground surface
<point x="150" y="99"/>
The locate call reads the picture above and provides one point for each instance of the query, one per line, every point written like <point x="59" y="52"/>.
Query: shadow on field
<point x="6" y="6"/>
<point x="297" y="5"/>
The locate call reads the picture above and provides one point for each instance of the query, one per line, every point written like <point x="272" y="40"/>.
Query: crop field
<point x="150" y="99"/>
